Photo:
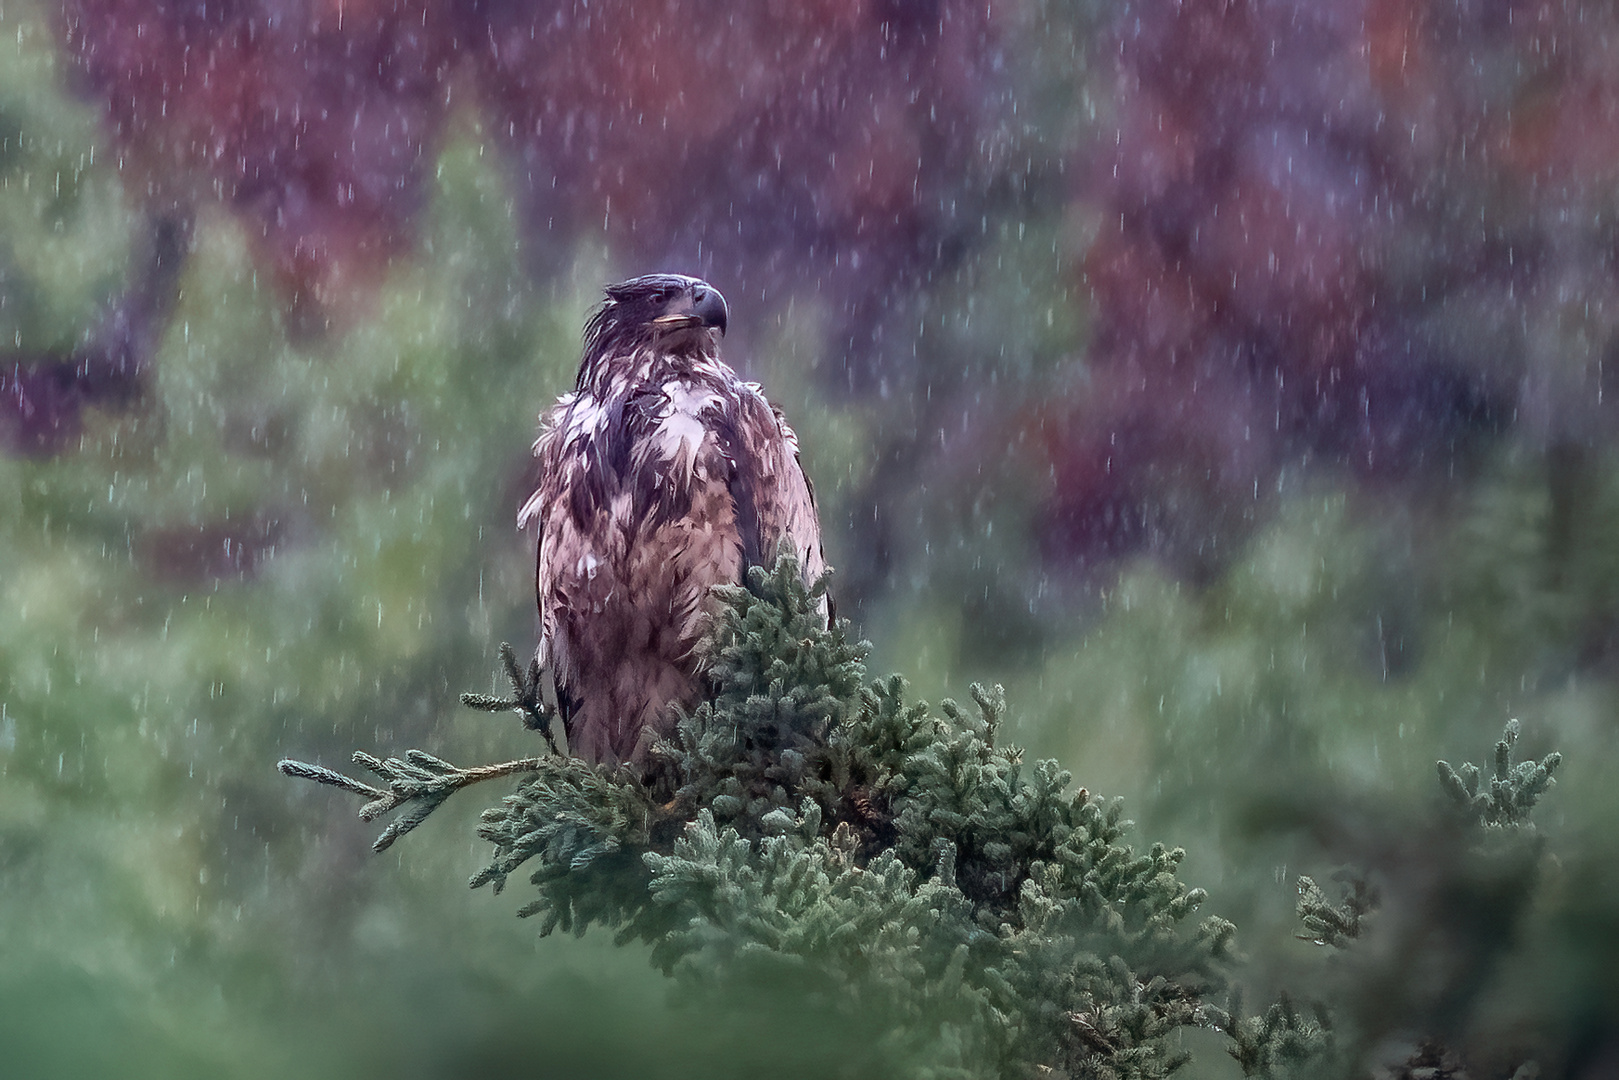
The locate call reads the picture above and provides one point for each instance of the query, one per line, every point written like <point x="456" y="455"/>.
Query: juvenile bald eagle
<point x="661" y="475"/>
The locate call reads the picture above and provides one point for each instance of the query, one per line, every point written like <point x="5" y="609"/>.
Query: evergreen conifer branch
<point x="1512" y="791"/>
<point x="419" y="778"/>
<point x="805" y="820"/>
<point x="1326" y="923"/>
<point x="1281" y="1043"/>
<point x="1496" y="874"/>
<point x="808" y="824"/>
<point x="527" y="697"/>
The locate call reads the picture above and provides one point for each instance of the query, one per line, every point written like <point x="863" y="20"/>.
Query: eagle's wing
<point x="773" y="498"/>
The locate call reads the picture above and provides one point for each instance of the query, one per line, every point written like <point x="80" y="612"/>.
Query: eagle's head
<point x="669" y="313"/>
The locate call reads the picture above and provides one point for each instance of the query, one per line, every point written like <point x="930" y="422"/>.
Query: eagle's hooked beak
<point x="703" y="306"/>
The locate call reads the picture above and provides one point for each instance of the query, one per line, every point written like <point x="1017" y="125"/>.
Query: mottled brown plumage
<point x="661" y="475"/>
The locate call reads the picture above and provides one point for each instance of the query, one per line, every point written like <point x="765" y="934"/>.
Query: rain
<point x="1226" y="380"/>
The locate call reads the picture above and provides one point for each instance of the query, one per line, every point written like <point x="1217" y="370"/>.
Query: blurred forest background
<point x="1226" y="379"/>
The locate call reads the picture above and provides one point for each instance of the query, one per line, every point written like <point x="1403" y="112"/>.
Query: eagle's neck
<point x="613" y="375"/>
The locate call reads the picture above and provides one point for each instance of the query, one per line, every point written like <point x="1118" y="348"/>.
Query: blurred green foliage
<point x="63" y="220"/>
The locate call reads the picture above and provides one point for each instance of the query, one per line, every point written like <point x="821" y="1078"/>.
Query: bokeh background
<point x="1228" y="380"/>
